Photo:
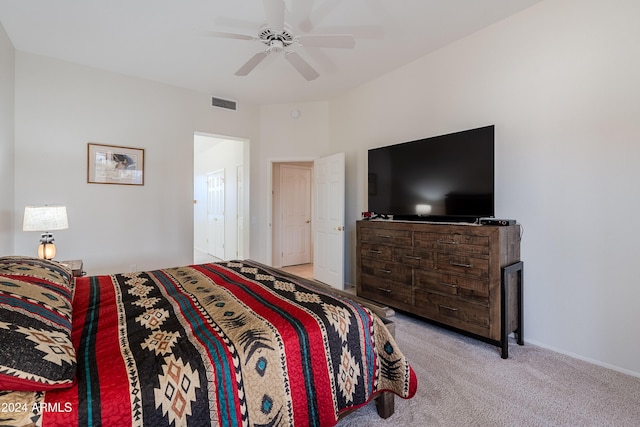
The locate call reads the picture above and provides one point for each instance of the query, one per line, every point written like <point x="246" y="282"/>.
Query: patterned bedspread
<point x="218" y="344"/>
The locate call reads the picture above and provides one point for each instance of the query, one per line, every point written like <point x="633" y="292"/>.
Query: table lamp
<point x="46" y="219"/>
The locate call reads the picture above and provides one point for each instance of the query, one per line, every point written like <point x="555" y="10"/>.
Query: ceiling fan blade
<point x="236" y="23"/>
<point x="319" y="14"/>
<point x="228" y="35"/>
<point x="367" y="32"/>
<point x="301" y="65"/>
<point x="299" y="14"/>
<point x="342" y="41"/>
<point x="274" y="12"/>
<point x="251" y="64"/>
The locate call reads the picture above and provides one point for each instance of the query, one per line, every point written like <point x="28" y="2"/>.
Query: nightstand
<point x="75" y="266"/>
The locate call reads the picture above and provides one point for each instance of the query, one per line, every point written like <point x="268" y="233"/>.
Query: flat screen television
<point x="442" y="178"/>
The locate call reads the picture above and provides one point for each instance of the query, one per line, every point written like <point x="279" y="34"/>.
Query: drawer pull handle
<point x="373" y="251"/>
<point x="461" y="264"/>
<point x="446" y="307"/>
<point x="447" y="242"/>
<point x="385" y="290"/>
<point x="417" y="258"/>
<point x="384" y="236"/>
<point x="382" y="270"/>
<point x="449" y="285"/>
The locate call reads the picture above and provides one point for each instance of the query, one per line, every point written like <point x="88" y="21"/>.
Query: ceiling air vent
<point x="223" y="103"/>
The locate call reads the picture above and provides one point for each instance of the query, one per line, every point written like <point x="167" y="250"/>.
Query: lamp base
<point x="46" y="250"/>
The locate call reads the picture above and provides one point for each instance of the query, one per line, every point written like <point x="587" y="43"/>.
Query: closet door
<point x="215" y="214"/>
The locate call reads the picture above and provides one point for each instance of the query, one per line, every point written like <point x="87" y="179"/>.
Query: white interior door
<point x="328" y="220"/>
<point x="215" y="214"/>
<point x="295" y="208"/>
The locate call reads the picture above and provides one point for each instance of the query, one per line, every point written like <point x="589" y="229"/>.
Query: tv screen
<point x="448" y="177"/>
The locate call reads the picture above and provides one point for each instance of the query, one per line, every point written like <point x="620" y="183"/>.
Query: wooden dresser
<point x="455" y="275"/>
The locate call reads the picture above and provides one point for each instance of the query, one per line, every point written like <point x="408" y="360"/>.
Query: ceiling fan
<point x="278" y="37"/>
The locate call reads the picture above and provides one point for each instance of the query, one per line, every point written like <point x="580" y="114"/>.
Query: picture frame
<point x="113" y="164"/>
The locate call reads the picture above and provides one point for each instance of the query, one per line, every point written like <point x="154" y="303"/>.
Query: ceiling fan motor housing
<point x="276" y="41"/>
<point x="275" y="46"/>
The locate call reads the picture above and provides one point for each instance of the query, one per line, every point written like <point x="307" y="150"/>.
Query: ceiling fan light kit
<point x="278" y="37"/>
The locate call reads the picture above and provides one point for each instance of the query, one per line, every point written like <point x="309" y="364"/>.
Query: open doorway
<point x="220" y="198"/>
<point x="327" y="219"/>
<point x="292" y="238"/>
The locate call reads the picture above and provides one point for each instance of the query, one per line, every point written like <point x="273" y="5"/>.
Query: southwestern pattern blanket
<point x="220" y="344"/>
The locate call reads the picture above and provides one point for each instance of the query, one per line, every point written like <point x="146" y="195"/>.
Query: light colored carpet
<point x="464" y="382"/>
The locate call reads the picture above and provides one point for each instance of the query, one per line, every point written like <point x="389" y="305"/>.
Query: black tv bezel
<point x="439" y="217"/>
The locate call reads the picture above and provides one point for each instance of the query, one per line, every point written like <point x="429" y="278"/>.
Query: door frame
<point x="246" y="195"/>
<point x="270" y="204"/>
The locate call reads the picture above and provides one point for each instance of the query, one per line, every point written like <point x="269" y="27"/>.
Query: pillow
<point x="37" y="353"/>
<point x="36" y="267"/>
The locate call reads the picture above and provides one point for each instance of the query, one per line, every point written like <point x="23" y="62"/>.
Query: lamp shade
<point x="45" y="218"/>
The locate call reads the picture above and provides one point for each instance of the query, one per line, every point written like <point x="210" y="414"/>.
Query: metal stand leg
<point x="517" y="268"/>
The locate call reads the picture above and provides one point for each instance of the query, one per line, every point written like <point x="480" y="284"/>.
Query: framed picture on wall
<point x="111" y="164"/>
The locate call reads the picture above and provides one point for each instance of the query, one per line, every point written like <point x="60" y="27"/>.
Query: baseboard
<point x="583" y="358"/>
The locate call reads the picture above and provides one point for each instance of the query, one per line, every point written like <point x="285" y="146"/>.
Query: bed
<point x="230" y="343"/>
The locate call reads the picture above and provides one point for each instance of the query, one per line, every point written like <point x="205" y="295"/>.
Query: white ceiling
<point x="164" y="40"/>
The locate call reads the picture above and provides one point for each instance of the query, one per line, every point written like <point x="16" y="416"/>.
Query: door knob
<point x="338" y="228"/>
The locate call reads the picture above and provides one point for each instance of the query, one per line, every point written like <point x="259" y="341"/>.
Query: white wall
<point x="560" y="82"/>
<point x="7" y="62"/>
<point x="59" y="107"/>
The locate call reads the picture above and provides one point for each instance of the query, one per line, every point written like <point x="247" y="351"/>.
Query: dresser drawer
<point x="387" y="270"/>
<point x="451" y="284"/>
<point x="376" y="251"/>
<point x="385" y="290"/>
<point x="467" y="243"/>
<point x="453" y="311"/>
<point x="470" y="265"/>
<point x="387" y="236"/>
<point x="414" y="257"/>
